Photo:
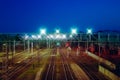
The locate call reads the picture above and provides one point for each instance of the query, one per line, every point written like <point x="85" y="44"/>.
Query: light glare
<point x="74" y="31"/>
<point x="64" y="36"/>
<point x="89" y="31"/>
<point x="43" y="31"/>
<point x="57" y="31"/>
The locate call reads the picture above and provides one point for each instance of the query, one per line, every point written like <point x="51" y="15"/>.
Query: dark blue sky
<point x="30" y="15"/>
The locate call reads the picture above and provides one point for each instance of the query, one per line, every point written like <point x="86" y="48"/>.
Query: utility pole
<point x="32" y="47"/>
<point x="87" y="45"/>
<point x="9" y="44"/>
<point x="14" y="51"/>
<point x="99" y="44"/>
<point x="6" y="63"/>
<point x="24" y="45"/>
<point x="28" y="46"/>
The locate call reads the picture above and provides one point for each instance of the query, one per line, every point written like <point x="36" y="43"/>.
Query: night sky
<point x="31" y="15"/>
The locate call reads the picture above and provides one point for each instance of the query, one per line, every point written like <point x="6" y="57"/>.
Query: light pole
<point x="51" y="43"/>
<point x="99" y="43"/>
<point x="6" y="61"/>
<point x="25" y="38"/>
<point x="14" y="51"/>
<point x="74" y="32"/>
<point x="28" y="46"/>
<point x="89" y="32"/>
<point x="43" y="34"/>
<point x="28" y="43"/>
<point x="24" y="45"/>
<point x="39" y="37"/>
<point x="32" y="48"/>
<point x="34" y="37"/>
<point x="9" y="46"/>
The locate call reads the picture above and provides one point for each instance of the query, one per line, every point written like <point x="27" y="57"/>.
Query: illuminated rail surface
<point x="21" y="63"/>
<point x="65" y="72"/>
<point x="50" y="74"/>
<point x="87" y="69"/>
<point x="10" y="74"/>
<point x="79" y="76"/>
<point x="51" y="70"/>
<point x="14" y="67"/>
<point x="18" y="68"/>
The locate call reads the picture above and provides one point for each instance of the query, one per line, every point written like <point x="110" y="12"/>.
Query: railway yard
<point x="51" y="64"/>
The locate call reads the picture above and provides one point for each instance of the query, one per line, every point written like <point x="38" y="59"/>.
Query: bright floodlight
<point x="64" y="36"/>
<point x="39" y="36"/>
<point x="43" y="31"/>
<point x="74" y="31"/>
<point x="26" y="37"/>
<point x="70" y="36"/>
<point x="89" y="31"/>
<point x="51" y="36"/>
<point x="48" y="36"/>
<point x="34" y="37"/>
<point x="57" y="31"/>
<point x="57" y="36"/>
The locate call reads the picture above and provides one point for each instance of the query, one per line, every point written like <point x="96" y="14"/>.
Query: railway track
<point x="79" y="74"/>
<point x="18" y="68"/>
<point x="93" y="75"/>
<point x="66" y="67"/>
<point x="94" y="71"/>
<point x="57" y="68"/>
<point x="14" y="72"/>
<point x="61" y="67"/>
<point x="49" y="73"/>
<point x="67" y="70"/>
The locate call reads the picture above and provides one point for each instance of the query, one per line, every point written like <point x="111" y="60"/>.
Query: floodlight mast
<point x="74" y="31"/>
<point x="89" y="32"/>
<point x="70" y="36"/>
<point x="39" y="36"/>
<point x="57" y="31"/>
<point x="64" y="36"/>
<point x="43" y="31"/>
